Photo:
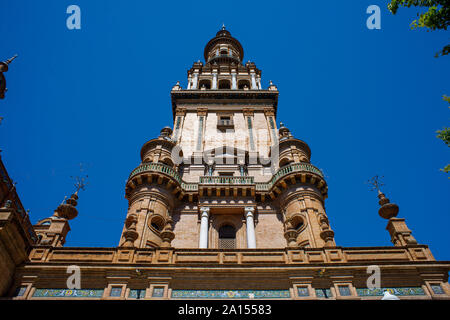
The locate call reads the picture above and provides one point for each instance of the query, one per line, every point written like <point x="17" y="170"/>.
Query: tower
<point x="226" y="176"/>
<point x="226" y="205"/>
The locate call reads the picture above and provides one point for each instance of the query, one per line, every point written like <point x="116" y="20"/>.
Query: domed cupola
<point x="223" y="48"/>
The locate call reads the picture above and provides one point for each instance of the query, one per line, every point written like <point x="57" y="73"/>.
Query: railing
<point x="226" y="180"/>
<point x="223" y="180"/>
<point x="189" y="186"/>
<point x="295" y="167"/>
<point x="225" y="123"/>
<point x="156" y="167"/>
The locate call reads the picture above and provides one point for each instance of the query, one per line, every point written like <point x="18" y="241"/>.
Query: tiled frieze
<point x="231" y="294"/>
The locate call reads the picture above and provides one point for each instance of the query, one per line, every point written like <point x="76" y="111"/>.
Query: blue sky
<point x="366" y="101"/>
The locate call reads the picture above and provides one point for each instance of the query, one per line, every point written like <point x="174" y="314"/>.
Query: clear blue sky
<point x="366" y="101"/>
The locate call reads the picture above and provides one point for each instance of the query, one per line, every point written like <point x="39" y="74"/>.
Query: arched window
<point x="227" y="237"/>
<point x="206" y="83"/>
<point x="243" y="83"/>
<point x="224" y="84"/>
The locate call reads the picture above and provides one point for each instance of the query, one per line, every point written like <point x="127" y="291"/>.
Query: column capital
<point x="249" y="211"/>
<point x="204" y="211"/>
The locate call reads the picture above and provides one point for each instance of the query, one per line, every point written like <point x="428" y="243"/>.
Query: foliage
<point x="437" y="17"/>
<point x="444" y="135"/>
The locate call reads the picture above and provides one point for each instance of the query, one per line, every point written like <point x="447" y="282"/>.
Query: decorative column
<point x="189" y="82"/>
<point x="233" y="80"/>
<point x="254" y="86"/>
<point x="195" y="81"/>
<point x="251" y="241"/>
<point x="130" y="233"/>
<point x="214" y="81"/>
<point x="204" y="213"/>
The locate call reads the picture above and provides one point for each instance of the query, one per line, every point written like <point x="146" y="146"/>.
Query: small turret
<point x="401" y="235"/>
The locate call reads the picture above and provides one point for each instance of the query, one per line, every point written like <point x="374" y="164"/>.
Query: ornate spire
<point x="387" y="210"/>
<point x="4" y="68"/>
<point x="400" y="234"/>
<point x="67" y="209"/>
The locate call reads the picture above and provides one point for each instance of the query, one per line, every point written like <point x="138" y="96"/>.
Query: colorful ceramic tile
<point x="303" y="291"/>
<point x="230" y="294"/>
<point x="437" y="289"/>
<point x="158" y="292"/>
<point x="324" y="293"/>
<point x="137" y="294"/>
<point x="66" y="293"/>
<point x="398" y="291"/>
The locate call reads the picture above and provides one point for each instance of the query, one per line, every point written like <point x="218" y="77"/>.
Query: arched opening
<point x="157" y="223"/>
<point x="168" y="162"/>
<point x="227" y="237"/>
<point x="223" y="50"/>
<point x="205" y="84"/>
<point x="297" y="223"/>
<point x="243" y="83"/>
<point x="285" y="162"/>
<point x="224" y="84"/>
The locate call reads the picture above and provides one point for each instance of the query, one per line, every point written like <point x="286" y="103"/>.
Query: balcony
<point x="219" y="180"/>
<point x="243" y="183"/>
<point x="225" y="123"/>
<point x="156" y="167"/>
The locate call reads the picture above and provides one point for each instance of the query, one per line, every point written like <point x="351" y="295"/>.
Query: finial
<point x="80" y="182"/>
<point x="387" y="209"/>
<point x="223" y="26"/>
<point x="11" y="59"/>
<point x="376" y="183"/>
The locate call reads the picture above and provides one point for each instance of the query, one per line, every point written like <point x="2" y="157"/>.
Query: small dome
<point x="223" y="41"/>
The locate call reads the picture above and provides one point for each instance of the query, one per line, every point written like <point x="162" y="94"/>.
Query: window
<point x="157" y="223"/>
<point x="224" y="84"/>
<point x="225" y="174"/>
<point x="206" y="84"/>
<point x="243" y="84"/>
<point x="227" y="237"/>
<point x="225" y="121"/>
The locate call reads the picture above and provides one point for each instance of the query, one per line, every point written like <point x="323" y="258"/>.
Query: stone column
<point x="189" y="82"/>
<point x="214" y="81"/>
<point x="254" y="86"/>
<point x="195" y="81"/>
<point x="251" y="241"/>
<point x="233" y="81"/>
<point x="203" y="243"/>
